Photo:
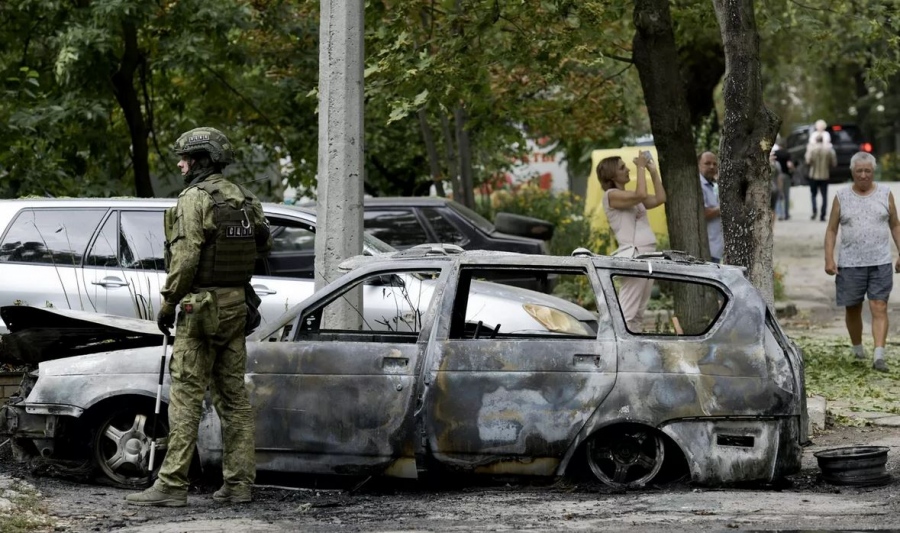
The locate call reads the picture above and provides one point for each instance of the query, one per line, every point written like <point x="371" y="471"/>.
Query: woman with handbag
<point x="627" y="215"/>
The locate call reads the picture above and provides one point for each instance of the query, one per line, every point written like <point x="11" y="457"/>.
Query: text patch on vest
<point x="238" y="232"/>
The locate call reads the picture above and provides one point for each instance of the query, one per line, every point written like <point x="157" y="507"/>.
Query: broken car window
<point x="674" y="307"/>
<point x="392" y="303"/>
<point x="565" y="307"/>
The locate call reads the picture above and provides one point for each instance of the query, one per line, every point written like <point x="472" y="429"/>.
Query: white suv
<point x="105" y="255"/>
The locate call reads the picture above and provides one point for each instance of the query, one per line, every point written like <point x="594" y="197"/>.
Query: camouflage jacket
<point x="191" y="223"/>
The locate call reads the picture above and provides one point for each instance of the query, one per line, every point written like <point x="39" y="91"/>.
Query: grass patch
<point x="833" y="372"/>
<point x="27" y="513"/>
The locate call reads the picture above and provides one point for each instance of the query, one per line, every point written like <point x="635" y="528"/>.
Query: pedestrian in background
<point x="820" y="159"/>
<point x="709" y="173"/>
<point x="785" y="167"/>
<point x="819" y="130"/>
<point x="867" y="219"/>
<point x="214" y="235"/>
<point x="626" y="212"/>
<point x="775" y="187"/>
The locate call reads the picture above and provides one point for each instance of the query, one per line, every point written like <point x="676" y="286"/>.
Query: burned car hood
<point x="124" y="361"/>
<point x="38" y="334"/>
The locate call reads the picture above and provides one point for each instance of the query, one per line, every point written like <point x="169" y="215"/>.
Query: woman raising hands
<point x="626" y="212"/>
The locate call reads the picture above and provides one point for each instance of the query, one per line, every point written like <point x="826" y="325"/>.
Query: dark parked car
<point x="717" y="394"/>
<point x="847" y="139"/>
<point x="403" y="222"/>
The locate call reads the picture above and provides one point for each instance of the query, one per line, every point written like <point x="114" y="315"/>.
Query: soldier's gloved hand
<point x="165" y="319"/>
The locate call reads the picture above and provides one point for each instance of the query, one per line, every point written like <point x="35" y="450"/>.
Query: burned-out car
<point x="710" y="384"/>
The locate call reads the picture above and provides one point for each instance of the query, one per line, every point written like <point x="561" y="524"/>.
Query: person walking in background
<point x="709" y="173"/>
<point x="820" y="158"/>
<point x="867" y="218"/>
<point x="819" y="130"/>
<point x="775" y="187"/>
<point x="626" y="212"/>
<point x="785" y="167"/>
<point x="214" y="235"/>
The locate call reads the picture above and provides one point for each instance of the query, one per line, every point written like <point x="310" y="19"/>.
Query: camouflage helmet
<point x="208" y="140"/>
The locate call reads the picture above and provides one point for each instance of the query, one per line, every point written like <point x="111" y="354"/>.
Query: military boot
<point x="233" y="494"/>
<point x="156" y="497"/>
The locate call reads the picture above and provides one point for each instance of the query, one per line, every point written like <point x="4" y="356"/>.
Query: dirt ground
<point x="804" y="503"/>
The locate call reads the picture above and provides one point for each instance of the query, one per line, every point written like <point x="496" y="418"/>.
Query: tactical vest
<point x="227" y="259"/>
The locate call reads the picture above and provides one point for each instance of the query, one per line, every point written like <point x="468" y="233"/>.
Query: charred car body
<point x="719" y="391"/>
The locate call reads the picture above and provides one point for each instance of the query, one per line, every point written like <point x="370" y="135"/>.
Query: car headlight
<point x="555" y="320"/>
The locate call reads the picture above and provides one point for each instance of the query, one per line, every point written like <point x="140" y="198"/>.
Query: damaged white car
<point x="710" y="386"/>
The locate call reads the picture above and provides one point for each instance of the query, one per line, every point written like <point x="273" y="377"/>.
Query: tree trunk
<point x="747" y="137"/>
<point x="433" y="162"/>
<point x="656" y="59"/>
<point x="464" y="149"/>
<point x="452" y="170"/>
<point x="127" y="96"/>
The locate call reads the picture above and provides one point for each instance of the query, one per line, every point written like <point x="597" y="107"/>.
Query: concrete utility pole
<point x="340" y="169"/>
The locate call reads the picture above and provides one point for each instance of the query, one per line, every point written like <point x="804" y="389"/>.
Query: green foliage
<point x="833" y="372"/>
<point x="778" y="283"/>
<point x="889" y="167"/>
<point x="565" y="210"/>
<point x="576" y="289"/>
<point x="571" y="229"/>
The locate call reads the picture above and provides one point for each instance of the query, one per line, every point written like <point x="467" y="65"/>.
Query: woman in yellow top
<point x="627" y="215"/>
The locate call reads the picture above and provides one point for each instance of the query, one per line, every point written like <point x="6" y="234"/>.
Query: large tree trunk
<point x="747" y="137"/>
<point x="464" y="149"/>
<point x="127" y="96"/>
<point x="656" y="59"/>
<point x="452" y="170"/>
<point x="433" y="162"/>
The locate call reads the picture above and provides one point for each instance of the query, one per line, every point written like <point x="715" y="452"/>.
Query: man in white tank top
<point x="867" y="218"/>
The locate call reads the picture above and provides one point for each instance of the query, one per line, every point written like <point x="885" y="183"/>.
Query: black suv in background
<point x="847" y="139"/>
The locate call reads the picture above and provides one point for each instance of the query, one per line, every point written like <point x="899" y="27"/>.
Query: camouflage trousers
<point x="218" y="361"/>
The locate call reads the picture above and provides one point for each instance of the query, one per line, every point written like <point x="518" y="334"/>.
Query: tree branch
<point x="811" y="8"/>
<point x="249" y="103"/>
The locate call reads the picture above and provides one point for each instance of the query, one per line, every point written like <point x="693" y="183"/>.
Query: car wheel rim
<point x="122" y="448"/>
<point x="626" y="459"/>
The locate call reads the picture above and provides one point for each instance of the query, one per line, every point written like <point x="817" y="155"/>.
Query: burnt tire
<point x="626" y="457"/>
<point x="524" y="226"/>
<point x="120" y="448"/>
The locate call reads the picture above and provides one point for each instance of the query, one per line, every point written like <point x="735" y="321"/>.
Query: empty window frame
<point x="487" y="310"/>
<point x="661" y="306"/>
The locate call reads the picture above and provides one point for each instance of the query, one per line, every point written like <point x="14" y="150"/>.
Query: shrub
<point x="889" y="167"/>
<point x="565" y="210"/>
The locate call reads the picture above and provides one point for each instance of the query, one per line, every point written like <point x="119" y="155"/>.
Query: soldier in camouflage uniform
<point x="213" y="236"/>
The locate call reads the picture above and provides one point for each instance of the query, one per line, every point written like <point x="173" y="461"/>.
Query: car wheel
<point x="121" y="446"/>
<point x="626" y="457"/>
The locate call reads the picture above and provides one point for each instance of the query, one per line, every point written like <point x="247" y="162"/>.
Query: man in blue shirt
<point x="709" y="171"/>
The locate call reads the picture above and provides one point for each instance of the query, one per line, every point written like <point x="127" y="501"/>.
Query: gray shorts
<point x="855" y="283"/>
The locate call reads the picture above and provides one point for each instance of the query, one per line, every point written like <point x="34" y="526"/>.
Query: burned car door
<point x="512" y="402"/>
<point x="335" y="397"/>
